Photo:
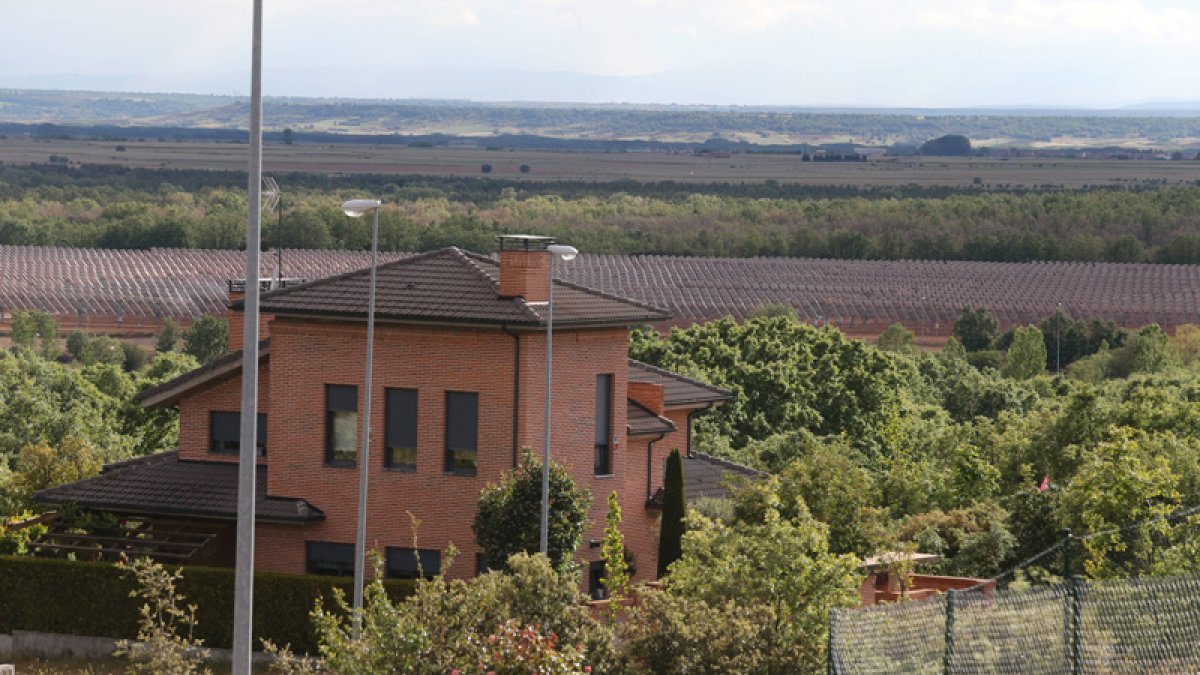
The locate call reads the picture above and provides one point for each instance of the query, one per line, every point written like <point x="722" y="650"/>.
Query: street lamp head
<point x="563" y="251"/>
<point x="357" y="208"/>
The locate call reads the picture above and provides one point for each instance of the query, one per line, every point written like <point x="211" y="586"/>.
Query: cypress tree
<point x="671" y="533"/>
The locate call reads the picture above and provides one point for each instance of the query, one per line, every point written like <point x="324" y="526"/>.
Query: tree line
<point x="129" y="209"/>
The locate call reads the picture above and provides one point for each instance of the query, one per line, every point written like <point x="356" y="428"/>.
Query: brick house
<point x="458" y="390"/>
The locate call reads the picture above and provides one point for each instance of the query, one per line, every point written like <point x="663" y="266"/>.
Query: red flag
<point x="1045" y="484"/>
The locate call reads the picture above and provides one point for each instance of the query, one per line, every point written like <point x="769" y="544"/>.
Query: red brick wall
<point x="307" y="355"/>
<point x="648" y="394"/>
<point x="222" y="396"/>
<point x="525" y="273"/>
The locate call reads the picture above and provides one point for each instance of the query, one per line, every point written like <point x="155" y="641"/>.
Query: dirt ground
<point x="597" y="166"/>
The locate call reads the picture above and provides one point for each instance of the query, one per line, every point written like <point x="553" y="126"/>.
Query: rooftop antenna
<point x="273" y="198"/>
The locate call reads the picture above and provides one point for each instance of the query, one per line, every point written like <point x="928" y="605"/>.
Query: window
<point x="603" y="464"/>
<point x="225" y="433"/>
<point x="329" y="559"/>
<point x="400" y="434"/>
<point x="341" y="424"/>
<point x="402" y="563"/>
<point x="462" y="427"/>
<point x="596" y="590"/>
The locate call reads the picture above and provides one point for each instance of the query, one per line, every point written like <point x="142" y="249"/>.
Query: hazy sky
<point x="921" y="53"/>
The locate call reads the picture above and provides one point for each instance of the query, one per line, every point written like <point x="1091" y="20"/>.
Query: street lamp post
<point x="243" y="582"/>
<point x="357" y="208"/>
<point x="567" y="253"/>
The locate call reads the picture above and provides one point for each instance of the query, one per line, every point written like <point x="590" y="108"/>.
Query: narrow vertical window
<point x="462" y="431"/>
<point x="400" y="435"/>
<point x="341" y="424"/>
<point x="603" y="464"/>
<point x="225" y="433"/>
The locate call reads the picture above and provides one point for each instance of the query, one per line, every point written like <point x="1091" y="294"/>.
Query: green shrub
<point x="85" y="598"/>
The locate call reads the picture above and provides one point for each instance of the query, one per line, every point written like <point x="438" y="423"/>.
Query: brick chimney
<point x="646" y="394"/>
<point x="525" y="267"/>
<point x="235" y="318"/>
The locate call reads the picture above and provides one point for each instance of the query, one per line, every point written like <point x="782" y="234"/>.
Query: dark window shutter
<point x="341" y="398"/>
<point x="462" y="420"/>
<point x="401" y="429"/>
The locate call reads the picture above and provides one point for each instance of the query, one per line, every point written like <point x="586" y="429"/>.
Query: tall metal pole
<point x="243" y="585"/>
<point x="364" y="462"/>
<point x="545" y="532"/>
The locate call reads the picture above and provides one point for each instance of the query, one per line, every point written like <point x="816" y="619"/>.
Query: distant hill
<point x="759" y="125"/>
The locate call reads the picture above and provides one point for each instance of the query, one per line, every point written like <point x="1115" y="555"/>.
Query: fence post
<point x="830" y="667"/>
<point x="1076" y="585"/>
<point x="1068" y="635"/>
<point x="948" y="657"/>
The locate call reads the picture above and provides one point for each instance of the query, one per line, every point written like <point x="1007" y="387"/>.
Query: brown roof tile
<point x="455" y="286"/>
<point x="164" y="485"/>
<point x="679" y="391"/>
<point x="641" y="421"/>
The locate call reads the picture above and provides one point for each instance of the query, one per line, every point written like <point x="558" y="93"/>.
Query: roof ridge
<point x="721" y="461"/>
<point x="281" y="292"/>
<point x="700" y="383"/>
<point x="472" y="260"/>
<point x="651" y="412"/>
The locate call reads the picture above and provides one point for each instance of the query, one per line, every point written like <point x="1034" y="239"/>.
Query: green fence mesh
<point x="1138" y="625"/>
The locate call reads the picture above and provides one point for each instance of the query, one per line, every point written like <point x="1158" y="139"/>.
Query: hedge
<point x="84" y="598"/>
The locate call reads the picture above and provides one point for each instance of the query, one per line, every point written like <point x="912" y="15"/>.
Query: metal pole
<point x="1058" y="340"/>
<point x="544" y="545"/>
<point x="360" y="540"/>
<point x="948" y="655"/>
<point x="279" y="245"/>
<point x="243" y="585"/>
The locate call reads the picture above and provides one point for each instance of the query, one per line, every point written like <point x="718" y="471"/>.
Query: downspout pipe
<point x="650" y="466"/>
<point x="516" y="406"/>
<point x="690" y="417"/>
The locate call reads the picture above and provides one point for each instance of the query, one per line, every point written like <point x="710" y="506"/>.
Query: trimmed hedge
<point x="85" y="598"/>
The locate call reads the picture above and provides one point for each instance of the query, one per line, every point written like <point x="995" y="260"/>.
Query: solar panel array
<point x="133" y="287"/>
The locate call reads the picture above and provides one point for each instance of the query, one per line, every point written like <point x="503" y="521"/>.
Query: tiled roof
<point x="164" y="485"/>
<point x="456" y="286"/>
<point x="167" y="393"/>
<point x="705" y="476"/>
<point x="678" y="390"/>
<point x="641" y="421"/>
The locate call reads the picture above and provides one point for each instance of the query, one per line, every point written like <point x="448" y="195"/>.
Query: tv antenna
<point x="273" y="202"/>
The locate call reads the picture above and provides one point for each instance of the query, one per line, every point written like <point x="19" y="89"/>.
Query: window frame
<point x="602" y="464"/>
<point x="429" y="558"/>
<point x="310" y="565"/>
<point x="450" y="436"/>
<point x="331" y="414"/>
<point x="260" y="448"/>
<point x="389" y="433"/>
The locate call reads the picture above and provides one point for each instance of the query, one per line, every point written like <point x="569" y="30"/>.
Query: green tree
<point x="612" y="551"/>
<point x="23" y="330"/>
<point x="782" y="566"/>
<point x="670" y="535"/>
<point x="976" y="328"/>
<point x="40" y="466"/>
<point x="206" y="339"/>
<point x="509" y="516"/>
<point x="950" y="145"/>
<point x="167" y="338"/>
<point x="103" y="349"/>
<point x="897" y="338"/>
<point x="47" y="330"/>
<point x="1152" y="350"/>
<point x="1026" y="357"/>
<point x="76" y="341"/>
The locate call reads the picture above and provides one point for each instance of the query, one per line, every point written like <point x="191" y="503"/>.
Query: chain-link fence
<point x="1140" y="625"/>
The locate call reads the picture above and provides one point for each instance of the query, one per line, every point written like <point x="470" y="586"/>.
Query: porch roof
<point x="164" y="485"/>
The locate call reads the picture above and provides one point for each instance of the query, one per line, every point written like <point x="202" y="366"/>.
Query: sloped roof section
<point x="453" y="286"/>
<point x="679" y="391"/>
<point x="168" y="393"/>
<point x="164" y="485"/>
<point x="641" y="421"/>
<point x="708" y="476"/>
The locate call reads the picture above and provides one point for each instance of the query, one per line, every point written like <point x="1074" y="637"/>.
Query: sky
<point x="865" y="53"/>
